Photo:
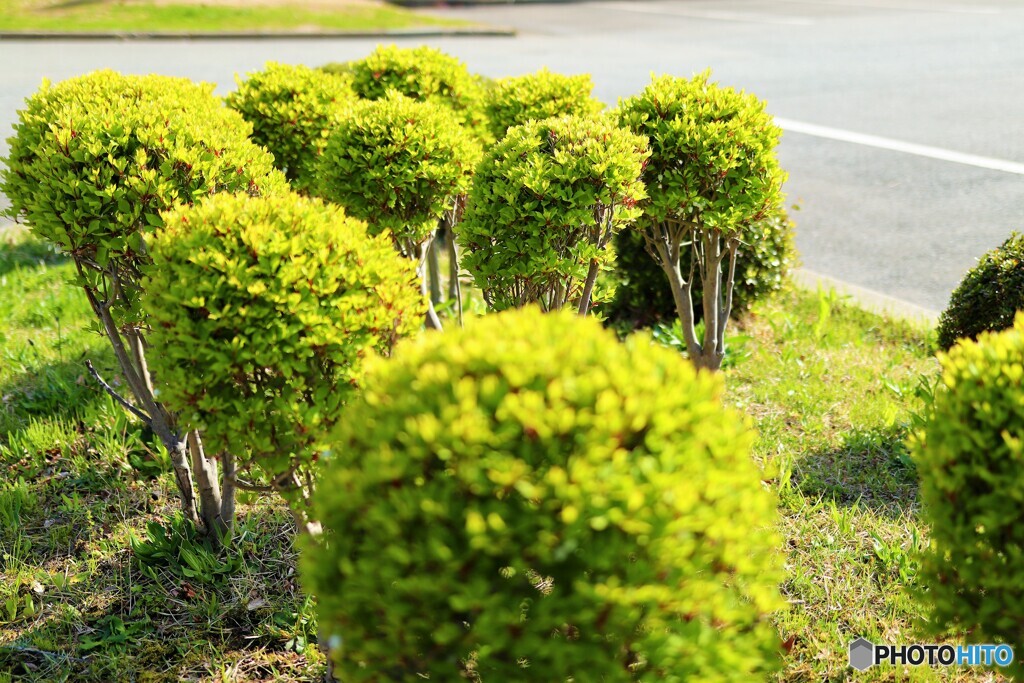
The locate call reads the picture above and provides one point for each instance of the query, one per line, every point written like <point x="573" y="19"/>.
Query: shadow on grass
<point x="117" y="625"/>
<point x="27" y="252"/>
<point x="70" y="4"/>
<point x="870" y="467"/>
<point x="63" y="439"/>
<point x="57" y="389"/>
<point x="92" y="646"/>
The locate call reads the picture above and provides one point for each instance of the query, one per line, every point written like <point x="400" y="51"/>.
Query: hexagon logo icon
<point x="862" y="654"/>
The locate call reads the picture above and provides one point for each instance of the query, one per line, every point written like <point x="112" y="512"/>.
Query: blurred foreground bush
<point x="529" y="499"/>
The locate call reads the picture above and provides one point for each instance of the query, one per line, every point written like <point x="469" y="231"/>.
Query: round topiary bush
<point x="643" y="295"/>
<point x="292" y="110"/>
<point x="422" y="73"/>
<point x="544" y="205"/>
<point x="95" y="159"/>
<point x="398" y="164"/>
<point x="713" y="172"/>
<point x="988" y="297"/>
<point x="969" y="456"/>
<point x="527" y="499"/>
<point x="534" y="97"/>
<point x="264" y="310"/>
<point x="93" y="162"/>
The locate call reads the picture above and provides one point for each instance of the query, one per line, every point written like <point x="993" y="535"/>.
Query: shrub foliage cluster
<point x="988" y="297"/>
<point x="265" y="309"/>
<point x="545" y="202"/>
<point x="93" y="162"/>
<point x="97" y="158"/>
<point x="530" y="495"/>
<point x="534" y="97"/>
<point x="292" y="110"/>
<point x="968" y="454"/>
<point x="398" y="163"/>
<point x="424" y="74"/>
<point x="527" y="497"/>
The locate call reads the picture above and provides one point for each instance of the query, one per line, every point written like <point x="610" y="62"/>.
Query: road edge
<point x="469" y="32"/>
<point x="867" y="299"/>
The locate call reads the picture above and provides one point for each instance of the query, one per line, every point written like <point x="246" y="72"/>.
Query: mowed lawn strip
<point x="831" y="389"/>
<point x="216" y="16"/>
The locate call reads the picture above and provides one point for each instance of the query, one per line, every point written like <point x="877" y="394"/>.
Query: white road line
<point x="900" y="146"/>
<point x="885" y="4"/>
<point x="743" y="17"/>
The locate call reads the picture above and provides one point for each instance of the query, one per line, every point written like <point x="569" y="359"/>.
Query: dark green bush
<point x="544" y="205"/>
<point x="969" y="456"/>
<point x="424" y="74"/>
<point x="292" y="110"/>
<point x="264" y="309"/>
<point x="527" y="499"/>
<point x="398" y="164"/>
<point x="988" y="296"/>
<point x="538" y="96"/>
<point x="643" y="296"/>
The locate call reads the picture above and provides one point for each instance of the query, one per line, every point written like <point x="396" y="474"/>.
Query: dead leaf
<point x="256" y="603"/>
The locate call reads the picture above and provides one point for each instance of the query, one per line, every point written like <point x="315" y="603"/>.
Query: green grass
<point x="81" y="480"/>
<point x="142" y="15"/>
<point x="830" y="388"/>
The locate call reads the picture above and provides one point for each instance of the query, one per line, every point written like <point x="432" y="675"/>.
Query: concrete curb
<point x="458" y="4"/>
<point x="261" y="35"/>
<point x="868" y="299"/>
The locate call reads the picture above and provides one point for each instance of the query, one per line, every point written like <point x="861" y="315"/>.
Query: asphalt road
<point x="904" y="118"/>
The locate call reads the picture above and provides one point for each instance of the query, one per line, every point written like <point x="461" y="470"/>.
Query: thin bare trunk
<point x="588" y="287"/>
<point x="454" y="284"/>
<point x="298" y="494"/>
<point x="323" y="640"/>
<point x="137" y="344"/>
<point x="730" y="281"/>
<point x="434" y="271"/>
<point x="208" y="484"/>
<point x="666" y="250"/>
<point x="712" y="282"/>
<point x="325" y="647"/>
<point x="210" y="511"/>
<point x="159" y="419"/>
<point x="227" y="492"/>
<point x="433" y="322"/>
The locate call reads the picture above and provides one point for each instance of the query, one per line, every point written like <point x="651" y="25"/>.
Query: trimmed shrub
<point x="398" y="164"/>
<point x="527" y="499"/>
<point x="265" y="309"/>
<point x="424" y="74"/>
<point x="93" y="162"/>
<point x="643" y="295"/>
<point x="988" y="296"/>
<point x="969" y="456"/>
<point x="292" y="110"/>
<point x="712" y="174"/>
<point x="95" y="159"/>
<point x="544" y="205"/>
<point x="538" y="96"/>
